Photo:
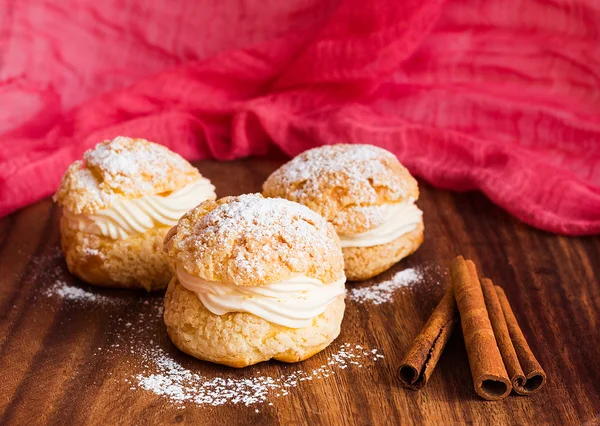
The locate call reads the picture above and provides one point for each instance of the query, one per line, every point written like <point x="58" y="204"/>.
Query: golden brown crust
<point x="136" y="262"/>
<point x="344" y="183"/>
<point x="242" y="339"/>
<point x="251" y="241"/>
<point x="362" y="263"/>
<point x="123" y="168"/>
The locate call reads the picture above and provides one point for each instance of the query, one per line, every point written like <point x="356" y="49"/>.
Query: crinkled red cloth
<point x="501" y="96"/>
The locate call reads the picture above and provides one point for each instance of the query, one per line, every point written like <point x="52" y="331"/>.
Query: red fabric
<point x="501" y="96"/>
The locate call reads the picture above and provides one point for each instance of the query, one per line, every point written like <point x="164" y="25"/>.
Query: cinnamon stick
<point x="534" y="376"/>
<point x="487" y="368"/>
<point x="505" y="344"/>
<point x="420" y="361"/>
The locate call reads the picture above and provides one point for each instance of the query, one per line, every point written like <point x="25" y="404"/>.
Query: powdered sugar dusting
<point x="182" y="380"/>
<point x="90" y="184"/>
<point x="91" y="251"/>
<point x="354" y="167"/>
<point x="51" y="269"/>
<point x="357" y="162"/>
<point x="182" y="385"/>
<point x="122" y="168"/>
<point x="254" y="239"/>
<point x="346" y="183"/>
<point x="136" y="336"/>
<point x="77" y="294"/>
<point x="259" y="218"/>
<point x="134" y="165"/>
<point x="383" y="292"/>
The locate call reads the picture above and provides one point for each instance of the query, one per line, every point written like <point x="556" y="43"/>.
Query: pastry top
<point x="250" y="240"/>
<point x="349" y="185"/>
<point x="121" y="169"/>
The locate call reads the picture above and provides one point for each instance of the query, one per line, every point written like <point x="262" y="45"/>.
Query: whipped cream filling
<point x="292" y="303"/>
<point x="400" y="219"/>
<point x="128" y="217"/>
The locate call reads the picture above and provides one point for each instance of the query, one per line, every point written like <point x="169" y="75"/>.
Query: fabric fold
<point x="469" y="94"/>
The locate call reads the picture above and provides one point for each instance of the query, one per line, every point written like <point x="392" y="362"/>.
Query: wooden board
<point x="60" y="363"/>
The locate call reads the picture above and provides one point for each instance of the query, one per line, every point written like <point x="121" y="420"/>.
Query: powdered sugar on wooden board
<point x="181" y="385"/>
<point x="383" y="292"/>
<point x="78" y="294"/>
<point x="137" y="337"/>
<point x="61" y="287"/>
<point x="160" y="368"/>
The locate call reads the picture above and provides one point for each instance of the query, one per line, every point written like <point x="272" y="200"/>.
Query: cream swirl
<point x="128" y="217"/>
<point x="292" y="303"/>
<point x="400" y="219"/>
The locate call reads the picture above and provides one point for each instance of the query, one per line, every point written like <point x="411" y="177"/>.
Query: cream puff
<point x="366" y="194"/>
<point x="256" y="279"/>
<point x="118" y="205"/>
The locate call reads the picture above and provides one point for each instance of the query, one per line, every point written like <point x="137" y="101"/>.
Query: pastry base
<point x="135" y="262"/>
<point x="242" y="339"/>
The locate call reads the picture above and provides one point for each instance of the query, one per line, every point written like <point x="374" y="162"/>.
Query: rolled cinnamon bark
<point x="534" y="376"/>
<point x="421" y="359"/>
<point x="487" y="368"/>
<point x="505" y="344"/>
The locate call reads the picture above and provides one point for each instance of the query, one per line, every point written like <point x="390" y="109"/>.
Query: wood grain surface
<point x="59" y="363"/>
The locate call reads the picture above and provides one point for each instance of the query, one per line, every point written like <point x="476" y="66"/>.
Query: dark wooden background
<point x="56" y="368"/>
